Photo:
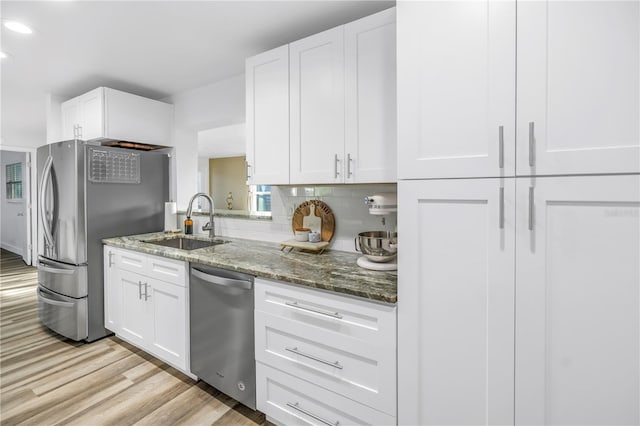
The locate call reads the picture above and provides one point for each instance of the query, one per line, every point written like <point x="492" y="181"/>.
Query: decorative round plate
<point x="322" y="210"/>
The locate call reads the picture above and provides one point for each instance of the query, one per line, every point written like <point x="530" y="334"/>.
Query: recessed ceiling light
<point x="17" y="27"/>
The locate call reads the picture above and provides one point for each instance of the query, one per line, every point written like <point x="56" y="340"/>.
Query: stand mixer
<point x="379" y="248"/>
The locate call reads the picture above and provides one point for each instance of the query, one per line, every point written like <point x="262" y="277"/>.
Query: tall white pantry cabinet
<point x="519" y="168"/>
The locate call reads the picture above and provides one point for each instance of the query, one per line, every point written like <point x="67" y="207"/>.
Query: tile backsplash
<point x="346" y="202"/>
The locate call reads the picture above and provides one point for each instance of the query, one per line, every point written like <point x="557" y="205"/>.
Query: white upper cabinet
<point x="456" y="89"/>
<point x="267" y="85"/>
<point x="323" y="109"/>
<point x="316" y="81"/>
<point x="370" y="99"/>
<point x="578" y="87"/>
<point x="578" y="301"/>
<point x="105" y="113"/>
<point x="83" y="116"/>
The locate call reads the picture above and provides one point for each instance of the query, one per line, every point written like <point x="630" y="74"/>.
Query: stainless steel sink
<point x="187" y="243"/>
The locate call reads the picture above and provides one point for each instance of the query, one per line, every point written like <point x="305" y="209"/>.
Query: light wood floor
<point x="48" y="380"/>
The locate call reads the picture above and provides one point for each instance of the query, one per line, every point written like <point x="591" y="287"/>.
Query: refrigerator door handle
<point x="44" y="267"/>
<point x="46" y="174"/>
<point x="53" y="302"/>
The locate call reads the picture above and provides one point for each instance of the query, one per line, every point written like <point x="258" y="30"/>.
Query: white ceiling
<point x="150" y="48"/>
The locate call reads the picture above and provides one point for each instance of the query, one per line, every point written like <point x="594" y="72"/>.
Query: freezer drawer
<point x="64" y="315"/>
<point x="69" y="280"/>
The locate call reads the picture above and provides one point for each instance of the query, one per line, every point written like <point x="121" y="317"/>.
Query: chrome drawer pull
<point x="501" y="147"/>
<point x="532" y="141"/>
<point x="501" y="216"/>
<point x="140" y="290"/>
<point x="310" y="414"/>
<point x="317" y="311"/>
<point x="333" y="364"/>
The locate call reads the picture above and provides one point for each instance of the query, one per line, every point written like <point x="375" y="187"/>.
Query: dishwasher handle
<point x="227" y="282"/>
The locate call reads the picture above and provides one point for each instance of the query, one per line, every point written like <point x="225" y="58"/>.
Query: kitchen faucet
<point x="209" y="226"/>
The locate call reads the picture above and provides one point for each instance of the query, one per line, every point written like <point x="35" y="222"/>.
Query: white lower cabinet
<point x="519" y="301"/>
<point x="146" y="301"/>
<point x="323" y="357"/>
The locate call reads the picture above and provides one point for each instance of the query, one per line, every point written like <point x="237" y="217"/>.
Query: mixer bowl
<point x="378" y="246"/>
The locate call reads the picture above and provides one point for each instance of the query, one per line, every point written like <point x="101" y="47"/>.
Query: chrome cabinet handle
<point x="335" y="166"/>
<point x="501" y="147"/>
<point x="79" y="132"/>
<point x="248" y="167"/>
<point x="531" y="208"/>
<point x="110" y="257"/>
<point x="501" y="217"/>
<point x="349" y="160"/>
<point x="532" y="153"/>
<point x="140" y="290"/>
<point x="317" y="311"/>
<point x="146" y="291"/>
<point x="296" y="406"/>
<point x="296" y="351"/>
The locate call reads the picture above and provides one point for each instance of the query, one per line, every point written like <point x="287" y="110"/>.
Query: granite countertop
<point x="332" y="270"/>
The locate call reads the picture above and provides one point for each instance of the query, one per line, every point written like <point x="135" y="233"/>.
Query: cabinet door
<point x="370" y="98"/>
<point x="267" y="85"/>
<point x="578" y="301"/>
<point x="456" y="91"/>
<point x="91" y="106"/>
<point x="135" y="118"/>
<point x="70" y="112"/>
<point x="456" y="291"/>
<point x="111" y="291"/>
<point x="578" y="87"/>
<point x="168" y="322"/>
<point x="134" y="323"/>
<point x="316" y="78"/>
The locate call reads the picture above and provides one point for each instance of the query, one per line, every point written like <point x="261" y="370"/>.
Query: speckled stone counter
<point x="333" y="270"/>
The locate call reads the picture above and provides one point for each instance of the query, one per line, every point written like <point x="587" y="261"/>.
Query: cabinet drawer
<point x="288" y="400"/>
<point x="358" y="318"/>
<point x="168" y="270"/>
<point x="130" y="260"/>
<point x="358" y="369"/>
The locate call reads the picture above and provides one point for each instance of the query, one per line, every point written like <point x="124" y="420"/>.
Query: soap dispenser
<point x="188" y="226"/>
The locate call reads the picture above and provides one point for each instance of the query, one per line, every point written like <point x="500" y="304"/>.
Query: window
<point x="261" y="200"/>
<point x="14" y="181"/>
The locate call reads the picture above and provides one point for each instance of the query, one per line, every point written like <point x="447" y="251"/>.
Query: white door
<point x="134" y="316"/>
<point x="91" y="106"/>
<point x="456" y="291"/>
<point x="168" y="321"/>
<point x="71" y="117"/>
<point x="267" y="104"/>
<point x="112" y="288"/>
<point x="578" y="87"/>
<point x="456" y="89"/>
<point x="316" y="78"/>
<point x="578" y="301"/>
<point x="370" y="98"/>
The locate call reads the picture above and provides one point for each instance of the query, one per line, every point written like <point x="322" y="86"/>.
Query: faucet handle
<point x="207" y="226"/>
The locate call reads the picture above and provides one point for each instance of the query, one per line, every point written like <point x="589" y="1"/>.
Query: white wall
<point x="13" y="231"/>
<point x="214" y="105"/>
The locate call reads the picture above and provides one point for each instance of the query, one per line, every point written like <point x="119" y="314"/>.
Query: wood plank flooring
<point x="48" y="380"/>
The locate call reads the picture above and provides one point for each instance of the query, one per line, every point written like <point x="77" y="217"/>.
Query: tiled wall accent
<point x="346" y="202"/>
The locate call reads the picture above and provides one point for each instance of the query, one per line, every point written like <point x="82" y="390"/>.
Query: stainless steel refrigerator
<point x="88" y="192"/>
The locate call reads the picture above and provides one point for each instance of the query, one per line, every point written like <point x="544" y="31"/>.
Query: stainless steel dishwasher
<point x="222" y="331"/>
